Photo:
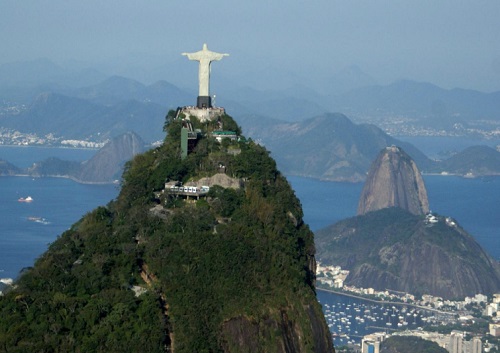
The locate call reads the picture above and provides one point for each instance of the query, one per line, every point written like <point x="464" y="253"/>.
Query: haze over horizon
<point x="446" y="43"/>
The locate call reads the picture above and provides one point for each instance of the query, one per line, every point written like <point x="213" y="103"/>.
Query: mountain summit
<point x="204" y="251"/>
<point x="394" y="181"/>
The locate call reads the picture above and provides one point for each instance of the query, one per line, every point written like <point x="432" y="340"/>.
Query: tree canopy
<point x="125" y="279"/>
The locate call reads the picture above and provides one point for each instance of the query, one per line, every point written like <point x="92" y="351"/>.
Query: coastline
<point x="62" y="177"/>
<point x="361" y="181"/>
<point x="382" y="302"/>
<point x="48" y="147"/>
<point x="465" y="176"/>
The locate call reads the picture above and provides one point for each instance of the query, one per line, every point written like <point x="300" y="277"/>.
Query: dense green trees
<point x="77" y="297"/>
<point x="237" y="253"/>
<point x="410" y="344"/>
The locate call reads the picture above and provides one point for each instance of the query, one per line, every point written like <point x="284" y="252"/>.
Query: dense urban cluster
<point x="11" y="108"/>
<point x="15" y="138"/>
<point x="10" y="137"/>
<point x="400" y="125"/>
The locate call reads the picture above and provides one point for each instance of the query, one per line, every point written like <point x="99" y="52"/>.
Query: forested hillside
<point x="410" y="344"/>
<point x="231" y="272"/>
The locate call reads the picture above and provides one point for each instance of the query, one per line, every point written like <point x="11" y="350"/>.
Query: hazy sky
<point x="451" y="43"/>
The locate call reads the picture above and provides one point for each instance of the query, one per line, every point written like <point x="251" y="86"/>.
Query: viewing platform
<point x="187" y="192"/>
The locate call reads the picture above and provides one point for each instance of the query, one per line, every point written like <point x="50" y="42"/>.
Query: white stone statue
<point x="205" y="57"/>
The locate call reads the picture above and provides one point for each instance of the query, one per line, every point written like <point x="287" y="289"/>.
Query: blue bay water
<point x="57" y="204"/>
<point x="24" y="157"/>
<point x="473" y="203"/>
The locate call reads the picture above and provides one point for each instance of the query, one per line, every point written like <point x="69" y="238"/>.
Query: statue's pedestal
<point x="204" y="102"/>
<point x="203" y="114"/>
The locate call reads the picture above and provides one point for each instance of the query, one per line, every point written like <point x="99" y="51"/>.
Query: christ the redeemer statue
<point x="205" y="57"/>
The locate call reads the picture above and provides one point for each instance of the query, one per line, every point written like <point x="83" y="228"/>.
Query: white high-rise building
<point x="456" y="341"/>
<point x="477" y="345"/>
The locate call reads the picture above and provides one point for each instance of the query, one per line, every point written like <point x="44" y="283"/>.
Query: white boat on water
<point x="27" y="199"/>
<point x="38" y="220"/>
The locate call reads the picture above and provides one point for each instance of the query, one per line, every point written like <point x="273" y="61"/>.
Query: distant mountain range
<point x="332" y="147"/>
<point x="81" y="119"/>
<point x="328" y="146"/>
<point x="285" y="97"/>
<point x="473" y="161"/>
<point x="421" y="100"/>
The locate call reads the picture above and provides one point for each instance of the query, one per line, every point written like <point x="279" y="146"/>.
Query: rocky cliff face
<point x="394" y="181"/>
<point x="245" y="335"/>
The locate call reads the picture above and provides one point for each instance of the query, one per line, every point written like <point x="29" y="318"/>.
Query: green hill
<point x="8" y="169"/>
<point x="153" y="272"/>
<point x="410" y="344"/>
<point x="473" y="161"/>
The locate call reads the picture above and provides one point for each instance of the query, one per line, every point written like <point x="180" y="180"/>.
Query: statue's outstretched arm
<point x="217" y="56"/>
<point x="192" y="56"/>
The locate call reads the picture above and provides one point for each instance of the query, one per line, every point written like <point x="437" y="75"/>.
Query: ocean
<point x="26" y="228"/>
<point x="25" y="156"/>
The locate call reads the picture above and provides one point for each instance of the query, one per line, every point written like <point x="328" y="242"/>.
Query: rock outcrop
<point x="394" y="181"/>
<point x="220" y="179"/>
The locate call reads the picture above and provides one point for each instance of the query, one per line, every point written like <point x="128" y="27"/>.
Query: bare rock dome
<point x="394" y="181"/>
